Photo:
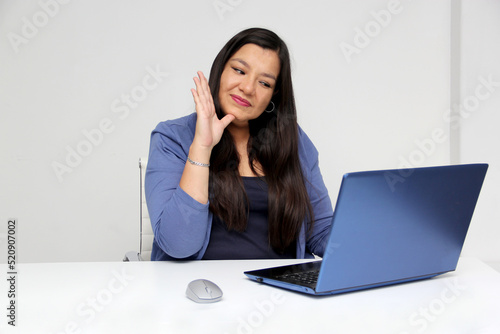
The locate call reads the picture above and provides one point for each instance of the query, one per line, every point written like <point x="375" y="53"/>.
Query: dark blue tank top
<point x="253" y="243"/>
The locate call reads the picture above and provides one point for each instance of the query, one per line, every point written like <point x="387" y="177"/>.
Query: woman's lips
<point x="241" y="101"/>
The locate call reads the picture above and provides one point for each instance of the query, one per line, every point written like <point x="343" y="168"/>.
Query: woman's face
<point x="247" y="82"/>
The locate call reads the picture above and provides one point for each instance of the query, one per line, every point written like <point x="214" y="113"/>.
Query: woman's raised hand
<point x="209" y="127"/>
<point x="209" y="130"/>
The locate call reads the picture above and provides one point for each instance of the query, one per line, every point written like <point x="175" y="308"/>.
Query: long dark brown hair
<point x="273" y="143"/>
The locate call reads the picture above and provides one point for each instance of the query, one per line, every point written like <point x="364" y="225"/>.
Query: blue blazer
<point x="182" y="225"/>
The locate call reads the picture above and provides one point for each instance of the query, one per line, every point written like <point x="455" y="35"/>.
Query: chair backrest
<point x="146" y="237"/>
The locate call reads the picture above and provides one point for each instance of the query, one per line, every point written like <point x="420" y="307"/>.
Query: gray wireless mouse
<point x="203" y="291"/>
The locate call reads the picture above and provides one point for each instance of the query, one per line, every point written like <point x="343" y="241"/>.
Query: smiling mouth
<point x="241" y="101"/>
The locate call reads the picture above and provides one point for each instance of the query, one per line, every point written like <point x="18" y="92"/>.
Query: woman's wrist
<point x="199" y="155"/>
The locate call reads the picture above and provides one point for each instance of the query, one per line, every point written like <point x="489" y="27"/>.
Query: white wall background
<point x="67" y="69"/>
<point x="479" y="137"/>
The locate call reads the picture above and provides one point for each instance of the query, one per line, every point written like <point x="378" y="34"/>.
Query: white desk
<point x="147" y="297"/>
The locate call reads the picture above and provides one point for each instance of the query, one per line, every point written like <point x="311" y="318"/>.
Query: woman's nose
<point x="247" y="86"/>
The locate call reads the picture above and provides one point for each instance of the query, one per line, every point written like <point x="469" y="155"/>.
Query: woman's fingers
<point x="202" y="96"/>
<point x="226" y="120"/>
<point x="209" y="128"/>
<point x="202" y="85"/>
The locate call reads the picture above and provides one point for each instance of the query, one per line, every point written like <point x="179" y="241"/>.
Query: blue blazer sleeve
<point x="181" y="225"/>
<point x="316" y="241"/>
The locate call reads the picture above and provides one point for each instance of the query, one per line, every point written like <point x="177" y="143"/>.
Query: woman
<point x="238" y="179"/>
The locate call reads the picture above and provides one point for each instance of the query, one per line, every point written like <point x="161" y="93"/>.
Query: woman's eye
<point x="237" y="70"/>
<point x="265" y="84"/>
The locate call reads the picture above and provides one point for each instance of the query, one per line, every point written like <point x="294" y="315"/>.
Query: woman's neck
<point x="240" y="134"/>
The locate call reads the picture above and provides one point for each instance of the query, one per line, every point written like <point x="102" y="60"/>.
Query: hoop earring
<point x="270" y="111"/>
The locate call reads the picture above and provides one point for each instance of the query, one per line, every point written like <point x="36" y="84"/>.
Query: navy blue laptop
<point x="389" y="226"/>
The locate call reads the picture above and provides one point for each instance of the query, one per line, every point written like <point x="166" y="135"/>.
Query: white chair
<point x="146" y="232"/>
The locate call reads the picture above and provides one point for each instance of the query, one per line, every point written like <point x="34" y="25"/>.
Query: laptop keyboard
<point x="302" y="278"/>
